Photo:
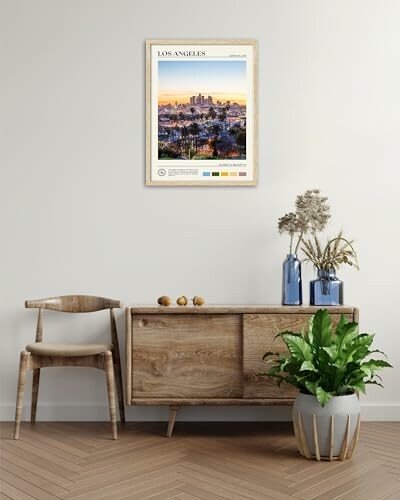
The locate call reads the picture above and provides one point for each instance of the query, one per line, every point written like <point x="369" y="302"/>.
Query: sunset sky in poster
<point x="223" y="80"/>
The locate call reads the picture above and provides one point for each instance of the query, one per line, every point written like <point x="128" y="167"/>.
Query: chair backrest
<point x="74" y="303"/>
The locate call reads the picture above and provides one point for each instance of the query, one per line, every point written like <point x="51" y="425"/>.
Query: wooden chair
<point x="103" y="356"/>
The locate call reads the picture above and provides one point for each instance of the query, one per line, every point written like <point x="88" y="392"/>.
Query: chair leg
<point x="109" y="369"/>
<point x="35" y="391"/>
<point x="23" y="366"/>
<point x="118" y="383"/>
<point x="172" y="417"/>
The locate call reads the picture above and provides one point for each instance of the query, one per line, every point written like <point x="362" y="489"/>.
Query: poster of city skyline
<point x="201" y="110"/>
<point x="201" y="123"/>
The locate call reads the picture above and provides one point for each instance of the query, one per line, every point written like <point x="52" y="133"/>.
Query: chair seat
<point x="67" y="349"/>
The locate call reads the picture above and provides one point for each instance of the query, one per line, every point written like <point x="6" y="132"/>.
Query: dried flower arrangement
<point x="336" y="252"/>
<point x="311" y="216"/>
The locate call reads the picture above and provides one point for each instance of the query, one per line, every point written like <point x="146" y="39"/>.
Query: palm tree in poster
<point x="216" y="131"/>
<point x="184" y="135"/>
<point x="194" y="131"/>
<point x="222" y="117"/>
<point x="211" y="115"/>
<point x="173" y="118"/>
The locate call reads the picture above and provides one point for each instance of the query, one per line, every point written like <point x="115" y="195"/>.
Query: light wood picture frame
<point x="201" y="113"/>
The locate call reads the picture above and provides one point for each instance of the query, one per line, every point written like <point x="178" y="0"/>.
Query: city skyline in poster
<point x="201" y="110"/>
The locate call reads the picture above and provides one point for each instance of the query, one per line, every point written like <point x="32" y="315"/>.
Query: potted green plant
<point x="327" y="289"/>
<point x="329" y="366"/>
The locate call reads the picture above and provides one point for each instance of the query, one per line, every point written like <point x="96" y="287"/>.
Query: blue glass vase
<point x="327" y="289"/>
<point x="291" y="281"/>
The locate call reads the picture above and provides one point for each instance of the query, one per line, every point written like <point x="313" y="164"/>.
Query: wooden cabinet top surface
<point x="237" y="309"/>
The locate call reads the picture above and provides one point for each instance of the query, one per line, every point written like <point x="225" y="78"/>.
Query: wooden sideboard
<point x="208" y="355"/>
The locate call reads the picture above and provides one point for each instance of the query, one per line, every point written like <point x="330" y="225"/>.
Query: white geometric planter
<point x="329" y="432"/>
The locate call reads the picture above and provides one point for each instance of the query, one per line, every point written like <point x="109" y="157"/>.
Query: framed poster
<point x="201" y="119"/>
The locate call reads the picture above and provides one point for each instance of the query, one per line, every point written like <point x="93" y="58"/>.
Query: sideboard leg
<point x="171" y="422"/>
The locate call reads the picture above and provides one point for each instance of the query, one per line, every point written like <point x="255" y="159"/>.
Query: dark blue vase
<point x="326" y="290"/>
<point x="291" y="281"/>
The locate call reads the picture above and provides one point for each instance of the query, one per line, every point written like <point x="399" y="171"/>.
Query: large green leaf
<point x="322" y="329"/>
<point x="366" y="370"/>
<point x="349" y="332"/>
<point x="358" y="386"/>
<point x="323" y="396"/>
<point x="322" y="359"/>
<point x="365" y="339"/>
<point x="299" y="348"/>
<point x="340" y="329"/>
<point x="332" y="352"/>
<point x="377" y="364"/>
<point x="355" y="349"/>
<point x="355" y="355"/>
<point x="311" y="387"/>
<point x="307" y="366"/>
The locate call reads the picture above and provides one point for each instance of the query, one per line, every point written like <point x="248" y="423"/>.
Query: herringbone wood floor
<point x="234" y="461"/>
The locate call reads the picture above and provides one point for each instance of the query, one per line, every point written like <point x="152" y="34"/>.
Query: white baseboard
<point x="94" y="412"/>
<point x="389" y="412"/>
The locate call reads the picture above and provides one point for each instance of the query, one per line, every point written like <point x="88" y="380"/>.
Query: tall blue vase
<point x="327" y="289"/>
<point x="291" y="281"/>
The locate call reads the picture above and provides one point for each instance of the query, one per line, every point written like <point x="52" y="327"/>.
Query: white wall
<point x="77" y="218"/>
